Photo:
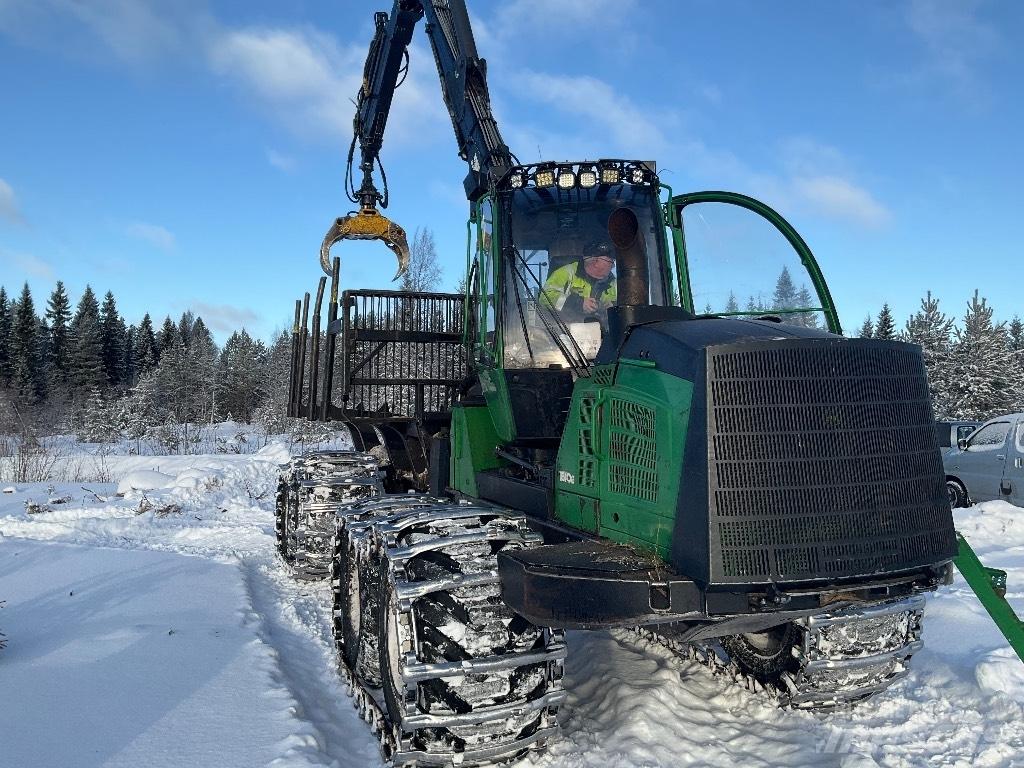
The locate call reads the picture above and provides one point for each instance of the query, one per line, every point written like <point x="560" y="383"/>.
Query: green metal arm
<point x="989" y="584"/>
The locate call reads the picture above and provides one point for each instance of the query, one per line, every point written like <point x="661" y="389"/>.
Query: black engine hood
<point x="677" y="345"/>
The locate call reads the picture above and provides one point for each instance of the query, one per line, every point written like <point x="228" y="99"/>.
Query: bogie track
<point x="310" y="489"/>
<point x="445" y="673"/>
<point x="819" y="662"/>
<point x="442" y="668"/>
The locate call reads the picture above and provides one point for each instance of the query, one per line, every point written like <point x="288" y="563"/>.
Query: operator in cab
<point x="585" y="288"/>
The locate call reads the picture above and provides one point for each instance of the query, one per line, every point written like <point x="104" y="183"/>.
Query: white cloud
<point x="224" y="317"/>
<point x="9" y="210"/>
<point x="280" y="161"/>
<point x="840" y="198"/>
<point x="28" y="264"/>
<point x="305" y="78"/>
<point x="599" y="110"/>
<point x="154" y="234"/>
<point x="134" y="31"/>
<point x="956" y="40"/>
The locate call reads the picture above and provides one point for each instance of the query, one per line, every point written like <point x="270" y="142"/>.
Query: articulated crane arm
<point x="464" y="87"/>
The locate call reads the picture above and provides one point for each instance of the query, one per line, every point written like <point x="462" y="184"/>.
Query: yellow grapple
<point x="366" y="224"/>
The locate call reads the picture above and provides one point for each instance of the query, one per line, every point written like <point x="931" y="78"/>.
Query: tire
<point x="956" y="493"/>
<point x="766" y="655"/>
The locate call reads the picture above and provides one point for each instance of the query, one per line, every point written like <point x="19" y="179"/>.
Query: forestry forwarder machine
<point x="753" y="491"/>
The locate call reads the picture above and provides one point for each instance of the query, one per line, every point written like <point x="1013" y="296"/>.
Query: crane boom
<point x="463" y="76"/>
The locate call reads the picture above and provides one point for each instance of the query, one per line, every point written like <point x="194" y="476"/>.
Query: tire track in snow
<point x="295" y="622"/>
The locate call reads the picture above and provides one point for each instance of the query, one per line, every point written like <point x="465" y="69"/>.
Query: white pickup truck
<point x="989" y="464"/>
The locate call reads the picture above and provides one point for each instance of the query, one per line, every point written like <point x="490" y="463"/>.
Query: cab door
<point x="981" y="464"/>
<point x="735" y="256"/>
<point x="1013" y="472"/>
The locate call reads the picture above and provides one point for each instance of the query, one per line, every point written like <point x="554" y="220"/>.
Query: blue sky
<point x="190" y="155"/>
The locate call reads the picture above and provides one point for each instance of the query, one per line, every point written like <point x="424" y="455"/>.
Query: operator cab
<point x="559" y="262"/>
<point x="548" y="276"/>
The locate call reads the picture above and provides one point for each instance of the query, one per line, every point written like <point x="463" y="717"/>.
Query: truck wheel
<point x="764" y="655"/>
<point x="956" y="493"/>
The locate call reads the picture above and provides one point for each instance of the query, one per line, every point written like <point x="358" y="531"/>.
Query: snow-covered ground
<point x="172" y="637"/>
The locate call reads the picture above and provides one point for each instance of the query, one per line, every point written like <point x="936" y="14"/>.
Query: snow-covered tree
<point x="168" y="337"/>
<point x="87" y="346"/>
<point x="732" y="305"/>
<point x="932" y="330"/>
<point x="98" y="421"/>
<point x="885" y="326"/>
<point x="185" y="327"/>
<point x="145" y="355"/>
<point x="241" y="376"/>
<point x="867" y="329"/>
<point x="112" y="334"/>
<point x="785" y="291"/>
<point x="27" y="365"/>
<point x="6" y="323"/>
<point x="424" y="273"/>
<point x="1015" y="339"/>
<point x="980" y="384"/>
<point x="58" y="313"/>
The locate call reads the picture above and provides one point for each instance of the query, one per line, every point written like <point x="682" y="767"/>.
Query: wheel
<point x="956" y="493"/>
<point x="765" y="655"/>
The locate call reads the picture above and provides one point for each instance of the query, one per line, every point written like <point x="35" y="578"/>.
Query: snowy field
<point x="158" y="629"/>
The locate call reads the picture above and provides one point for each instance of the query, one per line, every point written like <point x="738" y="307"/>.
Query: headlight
<point x="516" y="181"/>
<point x="588" y="179"/>
<point x="610" y="175"/>
<point x="545" y="178"/>
<point x="637" y="176"/>
<point x="566" y="178"/>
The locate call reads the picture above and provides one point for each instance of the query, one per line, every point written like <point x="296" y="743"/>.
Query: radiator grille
<point x="632" y="451"/>
<point x="822" y="461"/>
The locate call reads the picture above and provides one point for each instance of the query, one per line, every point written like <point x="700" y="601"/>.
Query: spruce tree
<point x="1015" y="331"/>
<point x="785" y="291"/>
<point x="87" y="370"/>
<point x="185" y="327"/>
<point x="867" y="329"/>
<point x="806" y="319"/>
<point x="27" y="380"/>
<point x="112" y="334"/>
<point x="168" y="337"/>
<point x="732" y="305"/>
<point x="128" y="371"/>
<point x="145" y="352"/>
<point x="980" y="384"/>
<point x="58" y="313"/>
<point x="241" y="376"/>
<point x="885" y="327"/>
<point x="6" y="323"/>
<point x="932" y="330"/>
<point x="1015" y="338"/>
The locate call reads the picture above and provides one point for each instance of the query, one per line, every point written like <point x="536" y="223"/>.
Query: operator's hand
<point x="590" y="305"/>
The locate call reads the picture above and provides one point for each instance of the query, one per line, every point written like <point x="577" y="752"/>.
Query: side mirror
<point x="962" y="443"/>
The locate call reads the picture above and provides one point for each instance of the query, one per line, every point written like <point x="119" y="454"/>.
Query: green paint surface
<point x="473" y="441"/>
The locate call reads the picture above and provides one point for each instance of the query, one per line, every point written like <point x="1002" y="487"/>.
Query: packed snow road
<point x="158" y="629"/>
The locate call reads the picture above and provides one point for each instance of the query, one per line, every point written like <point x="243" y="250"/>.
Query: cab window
<point x="990" y="437"/>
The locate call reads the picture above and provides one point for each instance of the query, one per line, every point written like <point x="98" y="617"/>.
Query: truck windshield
<point x="559" y="269"/>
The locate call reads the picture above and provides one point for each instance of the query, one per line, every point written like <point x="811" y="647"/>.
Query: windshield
<point x="741" y="264"/>
<point x="559" y="269"/>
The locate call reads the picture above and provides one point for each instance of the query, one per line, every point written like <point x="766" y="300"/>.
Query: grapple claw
<point x="366" y="224"/>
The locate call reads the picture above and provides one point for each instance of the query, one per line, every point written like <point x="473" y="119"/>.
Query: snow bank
<point x="143" y="480"/>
